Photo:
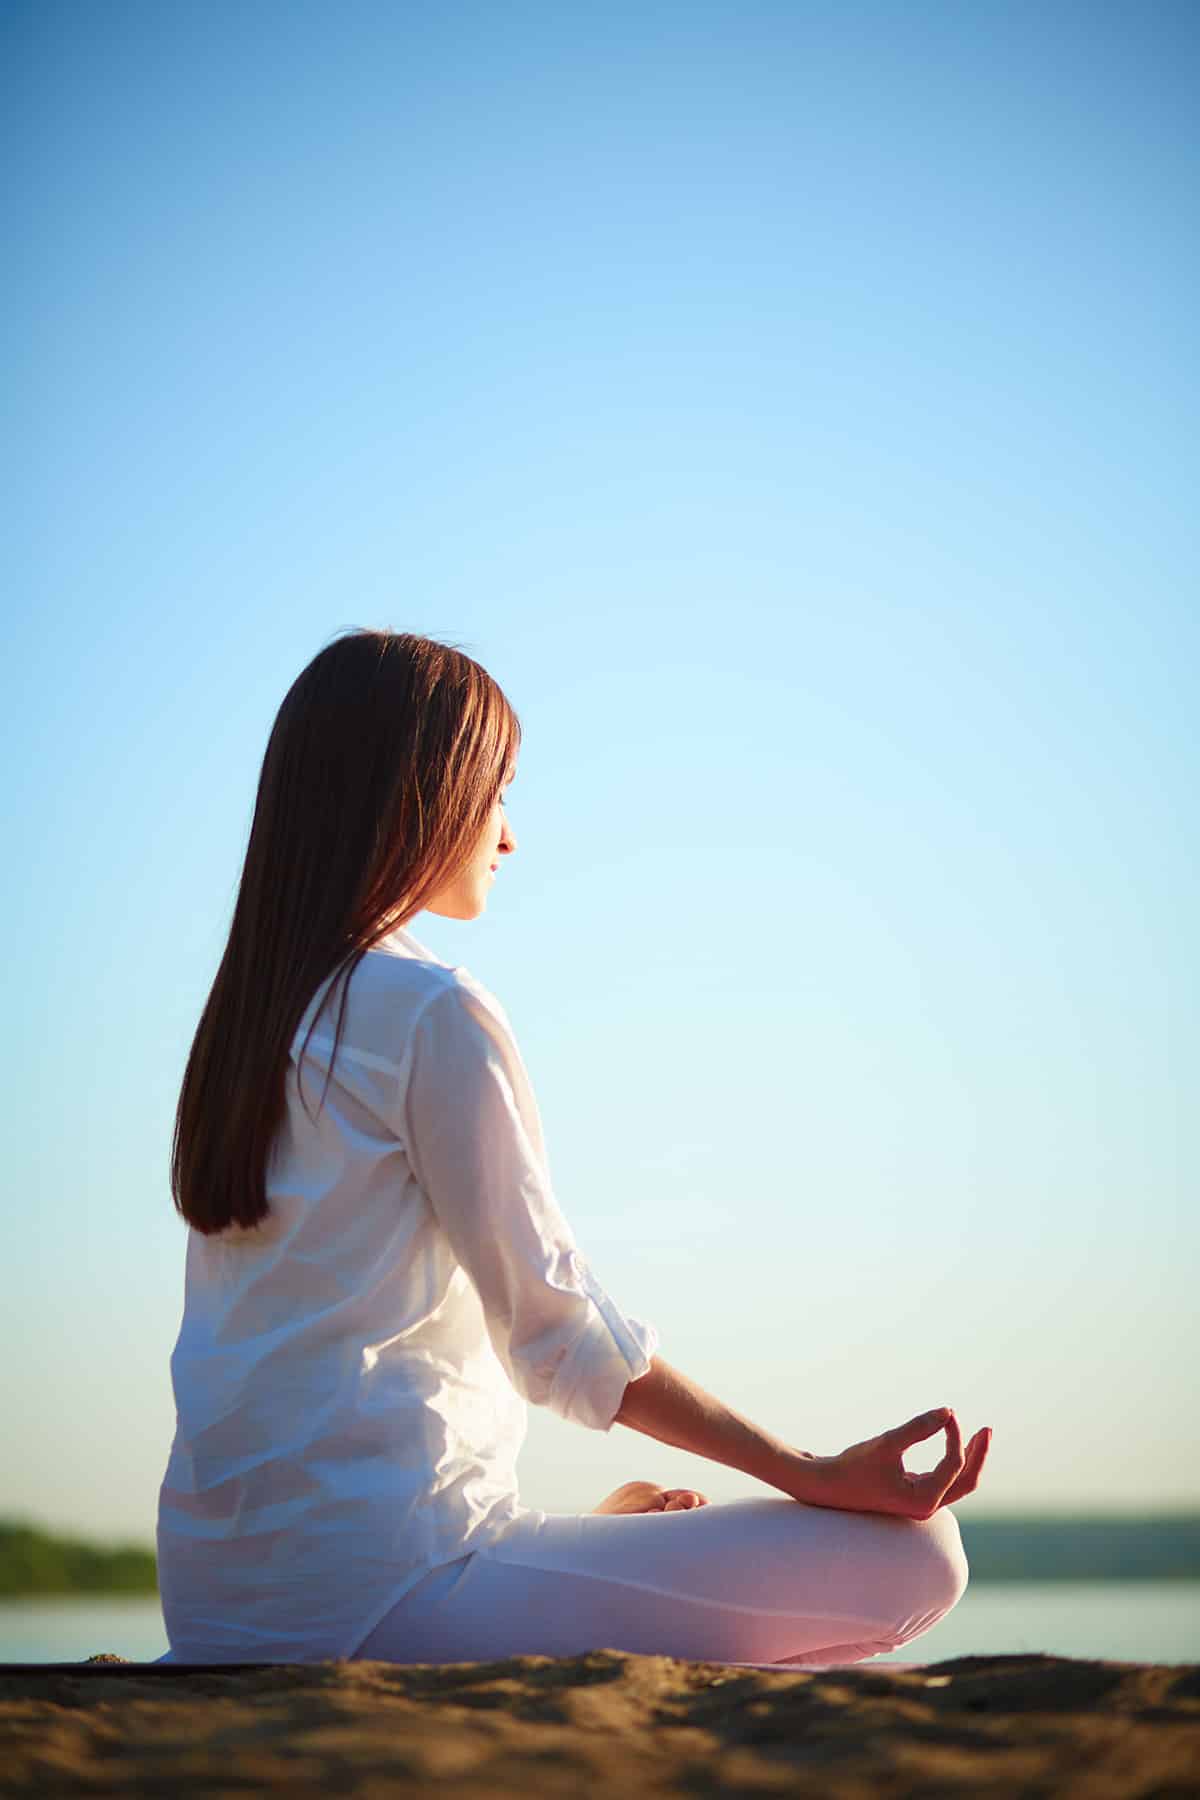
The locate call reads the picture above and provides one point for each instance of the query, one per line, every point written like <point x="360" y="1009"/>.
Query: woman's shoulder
<point x="403" y="968"/>
<point x="391" y="988"/>
<point x="468" y="1008"/>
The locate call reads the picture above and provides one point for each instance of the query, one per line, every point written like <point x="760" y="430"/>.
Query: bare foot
<point x="647" y="1496"/>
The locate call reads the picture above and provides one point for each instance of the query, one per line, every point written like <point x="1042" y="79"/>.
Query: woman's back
<point x="343" y="1420"/>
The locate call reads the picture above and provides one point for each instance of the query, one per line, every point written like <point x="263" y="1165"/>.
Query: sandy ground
<point x="604" y="1724"/>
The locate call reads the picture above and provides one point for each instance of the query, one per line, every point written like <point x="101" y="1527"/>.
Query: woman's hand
<point x="871" y="1477"/>
<point x="646" y="1496"/>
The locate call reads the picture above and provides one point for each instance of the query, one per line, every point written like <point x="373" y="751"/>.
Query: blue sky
<point x="794" y="408"/>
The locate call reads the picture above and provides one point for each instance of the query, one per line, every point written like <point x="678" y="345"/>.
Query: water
<point x="72" y="1629"/>
<point x="1125" y="1621"/>
<point x="1120" y="1621"/>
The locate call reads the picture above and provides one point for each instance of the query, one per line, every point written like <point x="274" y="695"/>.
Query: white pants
<point x="761" y="1580"/>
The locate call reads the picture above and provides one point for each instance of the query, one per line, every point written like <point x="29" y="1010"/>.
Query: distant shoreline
<point x="36" y="1563"/>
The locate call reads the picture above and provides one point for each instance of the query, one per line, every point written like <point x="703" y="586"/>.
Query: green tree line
<point x="36" y="1562"/>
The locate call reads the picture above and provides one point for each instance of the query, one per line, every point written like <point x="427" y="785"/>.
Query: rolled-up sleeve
<point x="474" y="1142"/>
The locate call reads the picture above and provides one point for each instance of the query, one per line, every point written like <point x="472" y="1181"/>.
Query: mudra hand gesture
<point x="871" y="1477"/>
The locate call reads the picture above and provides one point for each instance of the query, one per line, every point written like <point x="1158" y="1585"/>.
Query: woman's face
<point x="466" y="896"/>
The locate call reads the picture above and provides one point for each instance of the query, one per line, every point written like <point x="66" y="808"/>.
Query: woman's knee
<point x="938" y="1563"/>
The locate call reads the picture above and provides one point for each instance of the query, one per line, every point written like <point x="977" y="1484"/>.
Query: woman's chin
<point x="460" y="909"/>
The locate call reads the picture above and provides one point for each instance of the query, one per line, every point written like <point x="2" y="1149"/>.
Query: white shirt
<point x="351" y="1376"/>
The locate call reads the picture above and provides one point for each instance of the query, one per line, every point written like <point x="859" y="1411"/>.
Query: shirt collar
<point x="402" y="943"/>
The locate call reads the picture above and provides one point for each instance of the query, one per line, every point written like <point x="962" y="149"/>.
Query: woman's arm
<point x="666" y="1405"/>
<point x="470" y="1125"/>
<point x="868" y="1477"/>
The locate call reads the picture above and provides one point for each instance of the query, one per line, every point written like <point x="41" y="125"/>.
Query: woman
<point x="379" y="1276"/>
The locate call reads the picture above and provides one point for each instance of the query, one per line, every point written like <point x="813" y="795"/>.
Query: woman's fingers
<point x="932" y="1487"/>
<point x="974" y="1460"/>
<point x="973" y="1463"/>
<point x="915" y="1431"/>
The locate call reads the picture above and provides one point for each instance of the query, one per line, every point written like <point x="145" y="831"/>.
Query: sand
<point x="603" y="1724"/>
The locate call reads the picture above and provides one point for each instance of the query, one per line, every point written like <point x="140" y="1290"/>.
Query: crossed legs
<point x="757" y="1580"/>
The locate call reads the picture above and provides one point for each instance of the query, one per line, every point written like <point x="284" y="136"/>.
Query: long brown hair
<point x="379" y="777"/>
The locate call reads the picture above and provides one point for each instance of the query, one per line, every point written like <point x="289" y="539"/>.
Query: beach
<point x="605" y="1723"/>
